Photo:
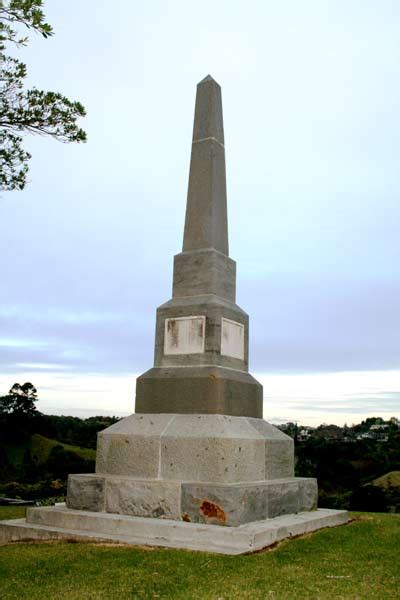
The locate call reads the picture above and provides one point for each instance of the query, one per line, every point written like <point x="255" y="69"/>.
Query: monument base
<point x="211" y="469"/>
<point x="225" y="504"/>
<point x="59" y="522"/>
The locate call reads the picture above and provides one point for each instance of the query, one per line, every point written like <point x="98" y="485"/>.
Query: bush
<point x="368" y="498"/>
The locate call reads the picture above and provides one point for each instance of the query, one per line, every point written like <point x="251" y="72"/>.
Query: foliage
<point x="33" y="466"/>
<point x="41" y="467"/>
<point x="62" y="462"/>
<point x="18" y="413"/>
<point x="28" y="110"/>
<point x="42" y="447"/>
<point x="337" y="500"/>
<point x="42" y="488"/>
<point x="365" y="425"/>
<point x="73" y="430"/>
<point x="347" y="470"/>
<point x="20" y="400"/>
<point x="355" y="561"/>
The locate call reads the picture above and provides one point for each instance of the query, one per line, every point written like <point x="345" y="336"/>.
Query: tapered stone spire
<point x="202" y="336"/>
<point x="206" y="224"/>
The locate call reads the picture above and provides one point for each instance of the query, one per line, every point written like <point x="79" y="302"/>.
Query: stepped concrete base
<point x="197" y="502"/>
<point x="59" y="522"/>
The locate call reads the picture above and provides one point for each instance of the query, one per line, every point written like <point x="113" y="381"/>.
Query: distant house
<point x="303" y="435"/>
<point x="368" y="435"/>
<point x="378" y="426"/>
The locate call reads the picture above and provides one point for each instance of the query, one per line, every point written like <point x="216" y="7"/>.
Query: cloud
<point x="314" y="217"/>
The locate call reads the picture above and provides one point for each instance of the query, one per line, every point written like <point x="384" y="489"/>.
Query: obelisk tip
<point x="208" y="112"/>
<point x="208" y="79"/>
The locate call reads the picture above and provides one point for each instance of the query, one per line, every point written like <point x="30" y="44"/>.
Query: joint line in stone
<point x="201" y="365"/>
<point x="160" y="450"/>
<point x="207" y="139"/>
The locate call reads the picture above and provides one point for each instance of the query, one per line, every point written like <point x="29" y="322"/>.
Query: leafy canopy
<point x="28" y="110"/>
<point x="20" y="400"/>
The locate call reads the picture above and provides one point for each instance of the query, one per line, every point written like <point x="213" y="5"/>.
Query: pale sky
<point x="311" y="97"/>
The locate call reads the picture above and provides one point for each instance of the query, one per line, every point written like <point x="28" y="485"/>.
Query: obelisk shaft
<point x="206" y="223"/>
<point x="202" y="336"/>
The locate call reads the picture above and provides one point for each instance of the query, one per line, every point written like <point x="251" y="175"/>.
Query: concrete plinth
<point x="62" y="523"/>
<point x="196" y="502"/>
<point x="204" y="389"/>
<point x="207" y="448"/>
<point x="215" y="469"/>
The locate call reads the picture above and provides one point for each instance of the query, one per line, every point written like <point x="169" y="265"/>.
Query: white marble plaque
<point x="232" y="338"/>
<point x="184" y="335"/>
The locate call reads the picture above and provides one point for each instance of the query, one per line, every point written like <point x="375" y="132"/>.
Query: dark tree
<point x="20" y="400"/>
<point x="28" y="110"/>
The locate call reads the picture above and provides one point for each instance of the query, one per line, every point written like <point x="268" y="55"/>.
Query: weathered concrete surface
<point x="225" y="504"/>
<point x="206" y="223"/>
<point x="184" y="335"/>
<point x="236" y="504"/>
<point x="132" y="446"/>
<point x="209" y="448"/>
<point x="159" y="499"/>
<point x="166" y="465"/>
<point x="232" y="338"/>
<point x="59" y="522"/>
<point x="214" y="309"/>
<point x="202" y="272"/>
<point x="212" y="448"/>
<point x="279" y="451"/>
<point x="198" y="390"/>
<point x="86" y="492"/>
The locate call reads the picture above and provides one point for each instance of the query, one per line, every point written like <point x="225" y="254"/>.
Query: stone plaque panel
<point x="232" y="339"/>
<point x="184" y="335"/>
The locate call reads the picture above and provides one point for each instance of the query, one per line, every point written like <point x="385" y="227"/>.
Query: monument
<point x="196" y="466"/>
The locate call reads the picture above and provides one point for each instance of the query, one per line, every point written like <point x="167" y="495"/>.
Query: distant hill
<point x="36" y="467"/>
<point x="390" y="480"/>
<point x="40" y="448"/>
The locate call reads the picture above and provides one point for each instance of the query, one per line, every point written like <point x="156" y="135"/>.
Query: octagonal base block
<point x="207" y="448"/>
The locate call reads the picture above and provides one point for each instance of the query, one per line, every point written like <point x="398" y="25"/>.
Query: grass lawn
<point x="391" y="479"/>
<point x="40" y="448"/>
<point x="12" y="512"/>
<point x="356" y="561"/>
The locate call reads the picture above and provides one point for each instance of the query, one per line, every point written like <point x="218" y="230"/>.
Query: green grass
<point x="391" y="479"/>
<point x="40" y="448"/>
<point x="12" y="512"/>
<point x="357" y="561"/>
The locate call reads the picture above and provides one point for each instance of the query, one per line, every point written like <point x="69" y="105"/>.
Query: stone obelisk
<point x="197" y="448"/>
<point x="196" y="466"/>
<point x="202" y="336"/>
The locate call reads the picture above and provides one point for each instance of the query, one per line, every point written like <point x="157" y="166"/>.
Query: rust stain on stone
<point x="185" y="517"/>
<point x="172" y="327"/>
<point x="212" y="511"/>
<point x="200" y="329"/>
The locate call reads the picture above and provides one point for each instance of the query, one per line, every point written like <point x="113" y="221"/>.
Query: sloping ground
<point x="332" y="563"/>
<point x="391" y="479"/>
<point x="40" y="448"/>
